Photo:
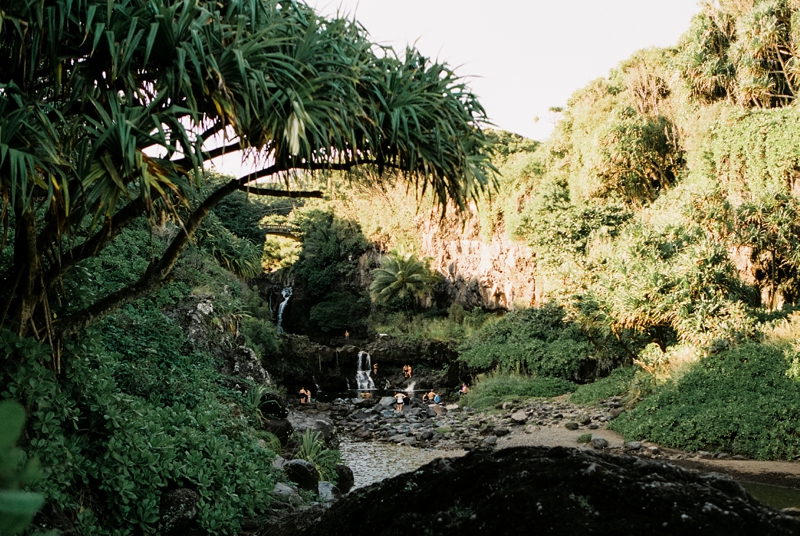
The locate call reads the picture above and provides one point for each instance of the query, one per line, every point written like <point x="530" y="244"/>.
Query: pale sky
<point x="521" y="57"/>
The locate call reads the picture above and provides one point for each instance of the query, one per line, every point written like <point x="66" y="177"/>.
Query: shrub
<point x="492" y="389"/>
<point x="338" y="311"/>
<point x="616" y="383"/>
<point x="312" y="449"/>
<point x="739" y="401"/>
<point x="532" y="341"/>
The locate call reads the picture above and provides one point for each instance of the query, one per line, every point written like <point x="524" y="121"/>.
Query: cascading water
<point x="286" y="293"/>
<point x="363" y="378"/>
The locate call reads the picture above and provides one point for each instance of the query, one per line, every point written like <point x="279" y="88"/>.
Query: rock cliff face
<point x="498" y="274"/>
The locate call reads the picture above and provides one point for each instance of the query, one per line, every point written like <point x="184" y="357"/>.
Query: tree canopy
<point x="109" y="111"/>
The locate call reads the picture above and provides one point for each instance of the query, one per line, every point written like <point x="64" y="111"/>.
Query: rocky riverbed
<point x="546" y="422"/>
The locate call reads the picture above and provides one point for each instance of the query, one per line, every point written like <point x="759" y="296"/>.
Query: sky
<point x="520" y="57"/>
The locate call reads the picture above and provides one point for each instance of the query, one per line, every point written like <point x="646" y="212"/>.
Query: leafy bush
<point x="330" y="252"/>
<point x="313" y="449"/>
<point x="261" y="335"/>
<point x="533" y="341"/>
<point x="339" y="311"/>
<point x="135" y="416"/>
<point x="17" y="507"/>
<point x="616" y="383"/>
<point x="490" y="390"/>
<point x="739" y="401"/>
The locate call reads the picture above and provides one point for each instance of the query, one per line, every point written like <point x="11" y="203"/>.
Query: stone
<point x="178" y="510"/>
<point x="438" y="409"/>
<point x="278" y="463"/>
<point x="451" y="407"/>
<point x="704" y="454"/>
<point x="387" y="402"/>
<point x="525" y="490"/>
<point x="571" y="425"/>
<point x="654" y="450"/>
<point x="303" y="473"/>
<point x="328" y="491"/>
<point x="530" y="429"/>
<point x="490" y="440"/>
<point x="592" y="426"/>
<point x="286" y="491"/>
<point x="273" y="405"/>
<point x="519" y="416"/>
<point x="501" y="431"/>
<point x="346" y="480"/>
<point x="599" y="443"/>
<point x="281" y="428"/>
<point x="633" y="446"/>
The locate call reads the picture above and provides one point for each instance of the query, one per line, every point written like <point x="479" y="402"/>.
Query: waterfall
<point x="286" y="293"/>
<point x="363" y="378"/>
<point x="410" y="388"/>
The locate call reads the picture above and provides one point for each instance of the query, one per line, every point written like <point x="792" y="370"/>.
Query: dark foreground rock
<point x="536" y="491"/>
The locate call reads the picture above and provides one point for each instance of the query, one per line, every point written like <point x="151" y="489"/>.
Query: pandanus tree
<point x="110" y="109"/>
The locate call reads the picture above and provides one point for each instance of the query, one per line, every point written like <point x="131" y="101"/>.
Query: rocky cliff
<point x="495" y="274"/>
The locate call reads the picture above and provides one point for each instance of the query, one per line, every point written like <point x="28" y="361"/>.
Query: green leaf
<point x="12" y="419"/>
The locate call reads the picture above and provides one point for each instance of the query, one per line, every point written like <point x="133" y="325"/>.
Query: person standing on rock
<point x="399" y="397"/>
<point x="464" y="389"/>
<point x="305" y="395"/>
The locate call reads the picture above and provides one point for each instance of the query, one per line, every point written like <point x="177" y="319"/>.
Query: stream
<point x="372" y="462"/>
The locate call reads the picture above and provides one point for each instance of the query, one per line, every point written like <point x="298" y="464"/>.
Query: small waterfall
<point x="363" y="378"/>
<point x="410" y="387"/>
<point x="286" y="293"/>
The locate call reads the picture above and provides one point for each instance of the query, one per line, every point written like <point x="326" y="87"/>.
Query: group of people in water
<point x="400" y="398"/>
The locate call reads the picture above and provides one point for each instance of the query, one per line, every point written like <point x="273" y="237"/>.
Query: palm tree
<point x="109" y="110"/>
<point x="400" y="277"/>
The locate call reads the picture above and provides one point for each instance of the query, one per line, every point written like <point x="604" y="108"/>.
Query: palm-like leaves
<point x="110" y="107"/>
<point x="400" y="277"/>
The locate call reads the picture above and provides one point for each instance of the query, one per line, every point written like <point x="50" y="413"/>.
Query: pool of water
<point x="777" y="497"/>
<point x="374" y="461"/>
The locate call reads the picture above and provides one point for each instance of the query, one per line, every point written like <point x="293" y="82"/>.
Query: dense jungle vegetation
<point x="663" y="214"/>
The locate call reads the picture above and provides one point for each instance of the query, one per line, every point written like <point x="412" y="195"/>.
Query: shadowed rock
<point x="552" y="491"/>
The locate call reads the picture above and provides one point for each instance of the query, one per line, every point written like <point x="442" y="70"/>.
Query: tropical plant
<point x="96" y="97"/>
<point x="17" y="507"/>
<point x="312" y="448"/>
<point x="401" y="276"/>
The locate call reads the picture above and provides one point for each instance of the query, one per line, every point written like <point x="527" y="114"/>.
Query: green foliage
<point x="746" y="51"/>
<point x="492" y="389"/>
<point x="456" y="328"/>
<point x="584" y="438"/>
<point x="330" y="252"/>
<point x="17" y="507"/>
<point x="533" y="341"/>
<point x="134" y="416"/>
<point x="313" y="449"/>
<point x="617" y="383"/>
<point x="400" y="276"/>
<point x="238" y="255"/>
<point x="339" y="311"/>
<point x="262" y="336"/>
<point x="738" y="401"/>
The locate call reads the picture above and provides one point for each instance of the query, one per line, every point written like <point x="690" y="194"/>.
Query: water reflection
<point x="374" y="461"/>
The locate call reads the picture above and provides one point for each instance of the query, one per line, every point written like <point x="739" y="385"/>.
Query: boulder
<point x="519" y="416"/>
<point x="387" y="402"/>
<point x="545" y="491"/>
<point x="178" y="511"/>
<point x="599" y="443"/>
<point x="346" y="479"/>
<point x="328" y="491"/>
<point x="501" y="431"/>
<point x="303" y="473"/>
<point x="279" y="427"/>
<point x="285" y="491"/>
<point x="273" y="405"/>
